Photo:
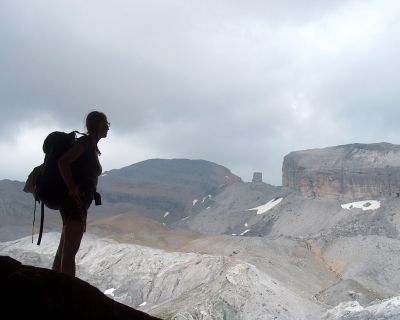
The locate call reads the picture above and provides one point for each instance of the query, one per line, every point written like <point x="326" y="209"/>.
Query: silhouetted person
<point x="80" y="169"/>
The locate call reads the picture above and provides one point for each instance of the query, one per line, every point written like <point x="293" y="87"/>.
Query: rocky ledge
<point x="37" y="293"/>
<point x="346" y="171"/>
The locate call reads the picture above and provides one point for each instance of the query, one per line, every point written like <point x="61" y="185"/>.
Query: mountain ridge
<point x="263" y="249"/>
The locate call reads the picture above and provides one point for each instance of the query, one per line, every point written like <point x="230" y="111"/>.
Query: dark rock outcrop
<point x="347" y="171"/>
<point x="36" y="293"/>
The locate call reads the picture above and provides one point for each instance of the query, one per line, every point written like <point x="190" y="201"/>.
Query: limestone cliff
<point x="347" y="171"/>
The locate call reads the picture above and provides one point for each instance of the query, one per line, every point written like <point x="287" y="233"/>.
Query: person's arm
<point x="64" y="165"/>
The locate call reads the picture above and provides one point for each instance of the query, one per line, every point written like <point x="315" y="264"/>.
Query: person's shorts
<point x="72" y="210"/>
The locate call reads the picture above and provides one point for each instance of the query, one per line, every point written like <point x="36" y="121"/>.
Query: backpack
<point x="45" y="181"/>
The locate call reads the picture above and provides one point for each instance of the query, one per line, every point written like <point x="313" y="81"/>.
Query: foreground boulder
<point x="38" y="293"/>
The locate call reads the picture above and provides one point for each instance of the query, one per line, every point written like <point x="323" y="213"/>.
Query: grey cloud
<point x="229" y="81"/>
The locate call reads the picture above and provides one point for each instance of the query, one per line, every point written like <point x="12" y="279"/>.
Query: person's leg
<point x="73" y="232"/>
<point x="57" y="258"/>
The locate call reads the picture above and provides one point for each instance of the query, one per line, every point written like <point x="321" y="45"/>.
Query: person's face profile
<point x="104" y="126"/>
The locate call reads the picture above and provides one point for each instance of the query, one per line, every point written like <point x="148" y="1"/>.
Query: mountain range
<point x="188" y="239"/>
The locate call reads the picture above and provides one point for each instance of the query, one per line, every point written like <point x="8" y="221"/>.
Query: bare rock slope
<point x="176" y="285"/>
<point x="227" y="277"/>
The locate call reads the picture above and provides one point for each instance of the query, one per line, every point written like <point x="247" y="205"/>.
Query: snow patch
<point x="143" y="304"/>
<point x="110" y="292"/>
<point x="195" y="201"/>
<point x="166" y="214"/>
<point x="268" y="206"/>
<point x="364" y="205"/>
<point x="242" y="234"/>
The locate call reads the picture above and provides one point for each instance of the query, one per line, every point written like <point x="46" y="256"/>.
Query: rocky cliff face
<point x="348" y="171"/>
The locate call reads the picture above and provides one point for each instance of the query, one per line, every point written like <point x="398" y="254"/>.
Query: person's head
<point x="97" y="124"/>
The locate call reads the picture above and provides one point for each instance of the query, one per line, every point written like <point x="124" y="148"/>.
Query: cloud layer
<point x="240" y="83"/>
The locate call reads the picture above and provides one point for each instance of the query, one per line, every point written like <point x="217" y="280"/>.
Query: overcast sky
<point x="238" y="83"/>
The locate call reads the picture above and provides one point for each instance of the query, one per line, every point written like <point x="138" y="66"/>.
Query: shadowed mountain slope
<point x="162" y="189"/>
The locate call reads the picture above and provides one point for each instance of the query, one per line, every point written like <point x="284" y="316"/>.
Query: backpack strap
<point x="41" y="223"/>
<point x="34" y="218"/>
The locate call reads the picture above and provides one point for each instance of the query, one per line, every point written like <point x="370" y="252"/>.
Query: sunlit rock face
<point x="346" y="171"/>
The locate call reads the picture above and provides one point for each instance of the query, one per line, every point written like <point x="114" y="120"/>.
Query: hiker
<point x="79" y="168"/>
